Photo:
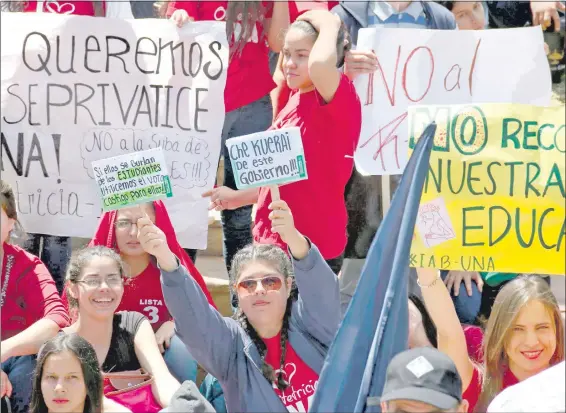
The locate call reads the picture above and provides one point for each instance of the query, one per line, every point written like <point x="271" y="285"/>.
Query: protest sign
<point x="493" y="198"/>
<point x="132" y="179"/>
<point x="77" y="89"/>
<point x="274" y="157"/>
<point x="441" y="67"/>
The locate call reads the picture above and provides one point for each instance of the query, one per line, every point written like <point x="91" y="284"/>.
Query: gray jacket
<point x="222" y="347"/>
<point x="355" y="15"/>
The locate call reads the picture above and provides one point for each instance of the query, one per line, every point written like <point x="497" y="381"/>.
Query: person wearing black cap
<point x="422" y="380"/>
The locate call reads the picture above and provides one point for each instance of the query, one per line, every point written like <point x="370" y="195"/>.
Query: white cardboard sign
<point x="78" y="89"/>
<point x="423" y="67"/>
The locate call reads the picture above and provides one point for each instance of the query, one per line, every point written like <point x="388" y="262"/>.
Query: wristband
<point x="428" y="285"/>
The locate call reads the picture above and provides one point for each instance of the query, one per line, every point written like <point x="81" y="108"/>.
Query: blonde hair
<point x="508" y="303"/>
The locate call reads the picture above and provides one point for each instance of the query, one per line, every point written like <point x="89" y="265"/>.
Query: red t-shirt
<point x="31" y="294"/>
<point x="301" y="378"/>
<point x="330" y="133"/>
<point x="249" y="77"/>
<point x="474" y="341"/>
<point x="81" y="8"/>
<point x="296" y="8"/>
<point x="472" y="393"/>
<point x="144" y="295"/>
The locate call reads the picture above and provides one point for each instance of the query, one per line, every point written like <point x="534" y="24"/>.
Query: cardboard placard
<point x="273" y="157"/>
<point x="132" y="179"/>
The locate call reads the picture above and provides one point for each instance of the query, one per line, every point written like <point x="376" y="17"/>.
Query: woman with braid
<point x="267" y="359"/>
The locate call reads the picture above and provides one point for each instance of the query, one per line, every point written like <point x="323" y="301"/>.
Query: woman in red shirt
<point x="253" y="27"/>
<point x="32" y="311"/>
<point x="142" y="292"/>
<point x="524" y="335"/>
<point x="326" y="108"/>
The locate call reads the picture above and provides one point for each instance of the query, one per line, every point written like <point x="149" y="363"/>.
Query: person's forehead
<point x="259" y="275"/>
<point x="412" y="406"/>
<point x="460" y="5"/>
<point x="257" y="269"/>
<point x="533" y="312"/>
<point x="64" y="360"/>
<point x="100" y="266"/>
<point x="298" y="39"/>
<point x="135" y="213"/>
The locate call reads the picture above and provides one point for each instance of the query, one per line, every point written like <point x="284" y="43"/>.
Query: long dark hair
<point x="86" y="355"/>
<point x="428" y="324"/>
<point x="275" y="257"/>
<point x="248" y="13"/>
<point x="19" y="6"/>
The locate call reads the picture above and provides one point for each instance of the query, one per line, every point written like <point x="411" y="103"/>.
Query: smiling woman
<point x="142" y="293"/>
<point x="123" y="341"/>
<point x="524" y="335"/>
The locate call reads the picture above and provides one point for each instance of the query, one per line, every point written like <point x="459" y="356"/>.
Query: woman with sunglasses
<point x="269" y="357"/>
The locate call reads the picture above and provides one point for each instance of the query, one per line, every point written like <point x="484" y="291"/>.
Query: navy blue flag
<point x="375" y="326"/>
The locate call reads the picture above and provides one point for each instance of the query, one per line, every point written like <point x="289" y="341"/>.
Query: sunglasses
<point x="269" y="283"/>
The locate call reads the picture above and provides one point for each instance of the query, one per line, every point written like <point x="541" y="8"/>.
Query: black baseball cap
<point x="424" y="375"/>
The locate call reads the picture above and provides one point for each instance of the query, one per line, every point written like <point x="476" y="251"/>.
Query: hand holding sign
<point x="546" y="12"/>
<point x="282" y="223"/>
<point x="359" y="62"/>
<point x="181" y="17"/>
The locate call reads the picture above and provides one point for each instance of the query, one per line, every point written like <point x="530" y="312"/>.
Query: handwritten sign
<point x="132" y="179"/>
<point x="274" y="157"/>
<point x="493" y="198"/>
<point x="76" y="91"/>
<point x="441" y="67"/>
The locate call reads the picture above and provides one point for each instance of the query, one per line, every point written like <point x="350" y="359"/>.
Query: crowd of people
<point x="123" y="324"/>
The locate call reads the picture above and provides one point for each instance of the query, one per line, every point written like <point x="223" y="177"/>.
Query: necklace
<point x="9" y="263"/>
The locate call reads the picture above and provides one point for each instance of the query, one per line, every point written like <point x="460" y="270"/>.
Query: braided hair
<point x="275" y="257"/>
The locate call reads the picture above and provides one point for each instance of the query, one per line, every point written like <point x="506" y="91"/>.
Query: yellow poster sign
<point x="493" y="198"/>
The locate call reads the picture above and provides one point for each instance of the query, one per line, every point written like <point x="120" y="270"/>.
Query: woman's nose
<point x="289" y="63"/>
<point x="59" y="388"/>
<point x="259" y="289"/>
<point x="133" y="229"/>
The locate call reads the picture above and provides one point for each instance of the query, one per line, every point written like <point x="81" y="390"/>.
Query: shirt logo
<point x="55" y="7"/>
<point x="292" y="368"/>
